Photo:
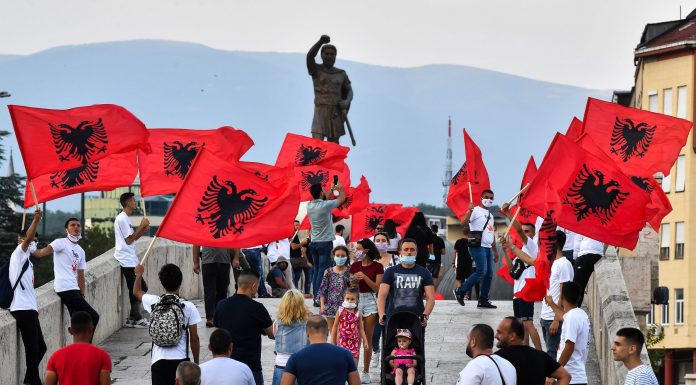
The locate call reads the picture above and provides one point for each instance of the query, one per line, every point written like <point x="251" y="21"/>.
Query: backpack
<point x="167" y="321"/>
<point x="7" y="289"/>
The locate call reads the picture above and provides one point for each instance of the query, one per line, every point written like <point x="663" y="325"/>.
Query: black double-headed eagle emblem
<point x="178" y="157"/>
<point x="79" y="143"/>
<point x="312" y="177"/>
<point x="74" y="177"/>
<point x="629" y="139"/>
<point x="592" y="195"/>
<point x="309" y="155"/>
<point x="225" y="209"/>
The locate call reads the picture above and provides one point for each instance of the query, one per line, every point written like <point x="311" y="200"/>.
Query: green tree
<point x="429" y="209"/>
<point x="96" y="241"/>
<point x="10" y="198"/>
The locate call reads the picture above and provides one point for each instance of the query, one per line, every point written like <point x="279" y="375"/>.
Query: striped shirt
<point x="641" y="375"/>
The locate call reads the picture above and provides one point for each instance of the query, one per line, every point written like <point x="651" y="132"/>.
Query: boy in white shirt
<point x="485" y="368"/>
<point x="23" y="307"/>
<point x="69" y="266"/>
<point x="124" y="252"/>
<point x="166" y="359"/>
<point x="561" y="272"/>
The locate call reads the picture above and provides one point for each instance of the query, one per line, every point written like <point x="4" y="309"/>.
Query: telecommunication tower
<point x="448" y="164"/>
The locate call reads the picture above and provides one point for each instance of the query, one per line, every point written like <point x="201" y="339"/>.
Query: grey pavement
<point x="446" y="336"/>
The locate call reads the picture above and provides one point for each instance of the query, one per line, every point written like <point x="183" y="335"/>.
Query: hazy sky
<point x="587" y="43"/>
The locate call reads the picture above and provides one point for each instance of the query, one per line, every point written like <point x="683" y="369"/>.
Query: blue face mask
<point x="409" y="260"/>
<point x="340" y="260"/>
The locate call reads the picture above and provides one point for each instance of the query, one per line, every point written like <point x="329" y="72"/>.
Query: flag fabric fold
<point x="642" y="142"/>
<point x="222" y="204"/>
<point x="302" y="151"/>
<point x="171" y="151"/>
<point x="62" y="140"/>
<point x="525" y="216"/>
<point x="535" y="288"/>
<point x="364" y="224"/>
<point x="118" y="170"/>
<point x="472" y="173"/>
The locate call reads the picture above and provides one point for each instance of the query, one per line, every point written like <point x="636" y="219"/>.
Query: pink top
<point x="403" y="352"/>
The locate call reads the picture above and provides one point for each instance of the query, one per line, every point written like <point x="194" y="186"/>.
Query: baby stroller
<point x="403" y="320"/>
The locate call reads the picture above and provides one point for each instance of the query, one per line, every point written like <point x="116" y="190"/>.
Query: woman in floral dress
<point x="333" y="285"/>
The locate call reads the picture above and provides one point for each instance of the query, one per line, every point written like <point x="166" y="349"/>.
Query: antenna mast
<point x="448" y="164"/>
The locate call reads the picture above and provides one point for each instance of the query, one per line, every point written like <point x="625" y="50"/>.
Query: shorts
<point x="522" y="309"/>
<point x="434" y="269"/>
<point x="368" y="304"/>
<point x="464" y="269"/>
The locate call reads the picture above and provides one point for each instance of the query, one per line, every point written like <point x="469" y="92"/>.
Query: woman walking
<point x="289" y="329"/>
<point x="381" y="241"/>
<point x="333" y="284"/>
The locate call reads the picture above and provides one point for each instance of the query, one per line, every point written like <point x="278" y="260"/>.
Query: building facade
<point x="664" y="82"/>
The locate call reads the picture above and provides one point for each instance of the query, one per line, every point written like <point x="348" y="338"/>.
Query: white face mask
<point x="74" y="238"/>
<point x="349" y="305"/>
<point x="487" y="202"/>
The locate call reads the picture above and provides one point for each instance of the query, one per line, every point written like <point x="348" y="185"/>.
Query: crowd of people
<point x="355" y="287"/>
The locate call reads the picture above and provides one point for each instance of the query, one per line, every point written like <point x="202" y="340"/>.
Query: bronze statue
<point x="332" y="93"/>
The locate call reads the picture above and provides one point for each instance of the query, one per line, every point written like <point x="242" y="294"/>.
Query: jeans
<point x="129" y="274"/>
<point x="75" y="301"/>
<point x="376" y="335"/>
<point x="258" y="377"/>
<point x="552" y="342"/>
<point x="308" y="277"/>
<point x="216" y="282"/>
<point x="253" y="256"/>
<point x="34" y="345"/>
<point x="163" y="372"/>
<point x="483" y="256"/>
<point x="278" y="375"/>
<point x="321" y="257"/>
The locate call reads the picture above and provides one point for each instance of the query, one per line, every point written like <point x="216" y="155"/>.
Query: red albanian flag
<point x="588" y="195"/>
<point x="357" y="199"/>
<point x="658" y="198"/>
<point x="221" y="204"/>
<point x="525" y="216"/>
<point x="473" y="173"/>
<point x="114" y="171"/>
<point x="171" y="151"/>
<point x="271" y="174"/>
<point x="535" y="288"/>
<point x="307" y="176"/>
<point x="59" y="140"/>
<point x="301" y="151"/>
<point x="641" y="142"/>
<point x="364" y="223"/>
<point x="504" y="271"/>
<point x="402" y="218"/>
<point x="574" y="131"/>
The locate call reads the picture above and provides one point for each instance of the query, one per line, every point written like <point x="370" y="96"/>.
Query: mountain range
<point x="399" y="115"/>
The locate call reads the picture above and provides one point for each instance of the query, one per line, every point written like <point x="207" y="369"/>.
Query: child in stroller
<point x="401" y="365"/>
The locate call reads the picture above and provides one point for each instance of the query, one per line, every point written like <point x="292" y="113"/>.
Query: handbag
<point x="475" y="236"/>
<point x="518" y="267"/>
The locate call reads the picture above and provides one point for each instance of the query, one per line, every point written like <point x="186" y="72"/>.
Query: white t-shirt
<point x="641" y="375"/>
<point x="225" y="371"/>
<point x="570" y="239"/>
<point x="476" y="222"/>
<point x="277" y="249"/>
<point x="191" y="317"/>
<point x="339" y="241"/>
<point x="530" y="248"/>
<point x="124" y="253"/>
<point x="576" y="329"/>
<point x="561" y="271"/>
<point x="24" y="295"/>
<point x="68" y="258"/>
<point x="482" y="371"/>
<point x="585" y="245"/>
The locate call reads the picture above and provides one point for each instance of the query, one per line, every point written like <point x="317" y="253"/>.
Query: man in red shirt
<point x="80" y="363"/>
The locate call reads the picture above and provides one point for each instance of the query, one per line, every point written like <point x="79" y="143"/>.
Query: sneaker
<point x="141" y="323"/>
<point x="374" y="362"/>
<point x="365" y="378"/>
<point x="486" y="305"/>
<point x="458" y="296"/>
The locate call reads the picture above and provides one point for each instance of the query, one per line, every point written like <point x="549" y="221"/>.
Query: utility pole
<point x="448" y="164"/>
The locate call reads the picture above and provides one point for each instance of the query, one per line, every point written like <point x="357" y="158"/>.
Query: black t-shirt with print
<point x="407" y="288"/>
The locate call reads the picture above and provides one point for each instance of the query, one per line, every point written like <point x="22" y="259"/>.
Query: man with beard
<point x="276" y="278"/>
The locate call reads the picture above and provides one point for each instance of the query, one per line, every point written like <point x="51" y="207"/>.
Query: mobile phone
<point x="335" y="180"/>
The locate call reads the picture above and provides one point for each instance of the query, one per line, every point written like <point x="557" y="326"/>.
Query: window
<point x="667" y="183"/>
<point x="679" y="306"/>
<point x="650" y="317"/>
<point x="667" y="101"/>
<point x="679" y="241"/>
<point x="664" y="242"/>
<point x="681" y="102"/>
<point x="652" y="101"/>
<point x="665" y="315"/>
<point x="680" y="181"/>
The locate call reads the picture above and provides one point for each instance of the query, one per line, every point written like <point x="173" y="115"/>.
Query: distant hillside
<point x="399" y="114"/>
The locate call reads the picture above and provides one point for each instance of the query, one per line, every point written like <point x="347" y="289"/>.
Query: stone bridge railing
<point x="105" y="290"/>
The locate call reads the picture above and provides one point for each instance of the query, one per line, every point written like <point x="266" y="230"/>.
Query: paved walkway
<point x="445" y="343"/>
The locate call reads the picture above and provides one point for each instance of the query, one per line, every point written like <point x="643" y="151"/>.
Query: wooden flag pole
<point x="471" y="197"/>
<point x="33" y="193"/>
<point x="147" y="252"/>
<point x="24" y="217"/>
<point x="142" y="200"/>
<point x="518" y="194"/>
<point x="507" y="232"/>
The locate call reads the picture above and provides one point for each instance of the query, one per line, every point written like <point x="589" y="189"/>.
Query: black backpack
<point x="7" y="289"/>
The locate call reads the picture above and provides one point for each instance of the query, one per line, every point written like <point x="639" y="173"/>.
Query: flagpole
<point x="507" y="232"/>
<point x="471" y="197"/>
<point x="33" y="193"/>
<point x="24" y="217"/>
<point x="142" y="200"/>
<point x="518" y="194"/>
<point x="147" y="252"/>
